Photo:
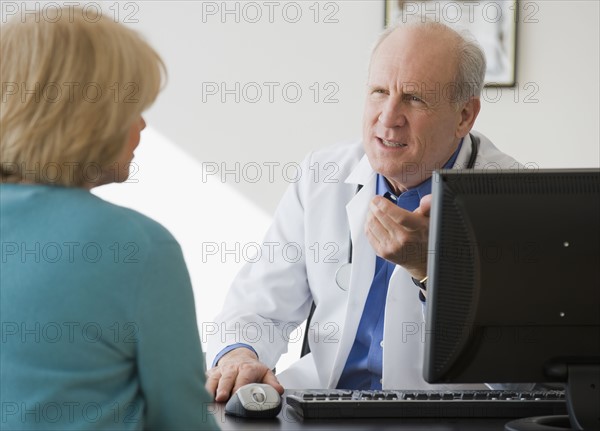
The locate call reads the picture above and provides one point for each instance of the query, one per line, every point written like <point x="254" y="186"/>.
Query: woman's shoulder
<point x="116" y="217"/>
<point x="78" y="212"/>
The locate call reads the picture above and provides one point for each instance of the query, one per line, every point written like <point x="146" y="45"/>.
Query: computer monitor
<point x="514" y="283"/>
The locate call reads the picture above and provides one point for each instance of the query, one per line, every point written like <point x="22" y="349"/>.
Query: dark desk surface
<point x="288" y="421"/>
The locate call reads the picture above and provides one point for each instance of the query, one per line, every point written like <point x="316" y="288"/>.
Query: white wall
<point x="558" y="69"/>
<point x="552" y="117"/>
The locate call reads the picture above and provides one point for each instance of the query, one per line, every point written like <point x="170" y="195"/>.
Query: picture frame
<point x="492" y="22"/>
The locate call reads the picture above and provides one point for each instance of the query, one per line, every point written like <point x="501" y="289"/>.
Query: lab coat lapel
<point x="403" y="334"/>
<point x="363" y="267"/>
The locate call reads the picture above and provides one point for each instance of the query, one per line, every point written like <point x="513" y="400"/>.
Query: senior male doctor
<point x="423" y="97"/>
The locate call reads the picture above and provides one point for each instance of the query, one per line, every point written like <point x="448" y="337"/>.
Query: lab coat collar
<point x="464" y="154"/>
<point x="362" y="174"/>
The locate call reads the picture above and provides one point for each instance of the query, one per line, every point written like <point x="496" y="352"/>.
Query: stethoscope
<point x="342" y="275"/>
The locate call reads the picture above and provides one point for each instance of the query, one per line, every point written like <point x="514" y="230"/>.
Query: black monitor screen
<point x="513" y="276"/>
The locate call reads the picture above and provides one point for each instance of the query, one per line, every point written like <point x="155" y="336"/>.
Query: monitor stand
<point x="583" y="404"/>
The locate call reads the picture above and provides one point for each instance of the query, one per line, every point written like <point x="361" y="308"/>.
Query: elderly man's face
<point x="410" y="125"/>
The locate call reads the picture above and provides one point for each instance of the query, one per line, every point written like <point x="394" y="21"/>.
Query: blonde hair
<point x="71" y="89"/>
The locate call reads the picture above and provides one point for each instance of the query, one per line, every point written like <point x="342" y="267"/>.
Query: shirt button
<point x="381" y="344"/>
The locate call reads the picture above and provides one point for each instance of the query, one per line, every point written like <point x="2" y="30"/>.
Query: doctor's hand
<point x="398" y="235"/>
<point x="236" y="369"/>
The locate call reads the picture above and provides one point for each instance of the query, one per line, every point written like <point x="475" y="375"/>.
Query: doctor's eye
<point x="379" y="91"/>
<point x="413" y="98"/>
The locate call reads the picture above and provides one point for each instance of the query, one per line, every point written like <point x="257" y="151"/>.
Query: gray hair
<point x="470" y="73"/>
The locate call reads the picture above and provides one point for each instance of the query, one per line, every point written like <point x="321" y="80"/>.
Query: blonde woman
<point x="98" y="323"/>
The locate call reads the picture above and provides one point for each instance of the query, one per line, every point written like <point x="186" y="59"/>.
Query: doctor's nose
<point x="392" y="115"/>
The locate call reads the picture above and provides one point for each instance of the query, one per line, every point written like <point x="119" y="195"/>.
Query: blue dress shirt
<point x="364" y="367"/>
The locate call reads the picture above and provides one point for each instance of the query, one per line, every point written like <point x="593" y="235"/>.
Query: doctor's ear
<point x="468" y="115"/>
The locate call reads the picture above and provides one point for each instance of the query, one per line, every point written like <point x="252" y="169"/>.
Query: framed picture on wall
<point x="492" y="23"/>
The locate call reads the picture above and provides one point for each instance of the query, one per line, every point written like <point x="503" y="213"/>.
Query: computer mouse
<point x="254" y="400"/>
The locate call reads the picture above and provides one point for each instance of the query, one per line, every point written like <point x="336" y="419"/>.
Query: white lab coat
<point x="306" y="244"/>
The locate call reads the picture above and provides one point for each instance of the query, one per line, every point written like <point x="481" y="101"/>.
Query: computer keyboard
<point x="322" y="404"/>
